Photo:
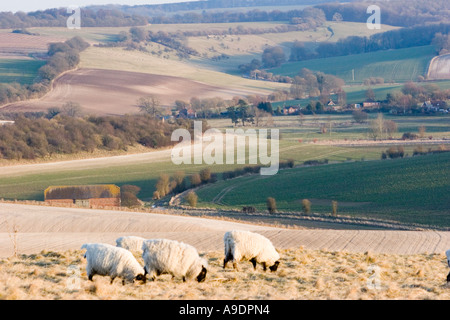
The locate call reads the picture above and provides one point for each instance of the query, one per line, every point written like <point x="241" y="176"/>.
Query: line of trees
<point x="61" y="57"/>
<point x="157" y="9"/>
<point x="394" y="39"/>
<point x="58" y="18"/>
<point x="395" y="13"/>
<point x="305" y="19"/>
<point x="121" y="17"/>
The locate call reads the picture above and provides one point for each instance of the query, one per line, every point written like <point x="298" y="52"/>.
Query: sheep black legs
<point x="228" y="257"/>
<point x="253" y="261"/>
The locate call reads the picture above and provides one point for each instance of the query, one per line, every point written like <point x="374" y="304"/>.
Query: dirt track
<point x="116" y="92"/>
<point x="53" y="228"/>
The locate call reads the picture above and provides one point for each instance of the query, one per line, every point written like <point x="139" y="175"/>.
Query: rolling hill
<point x="400" y="65"/>
<point x="408" y="190"/>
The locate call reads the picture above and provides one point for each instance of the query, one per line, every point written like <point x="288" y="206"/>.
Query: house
<point x="4" y="122"/>
<point x="331" y="103"/>
<point x="187" y="113"/>
<point x="371" y="104"/>
<point x="84" y="196"/>
<point x="434" y="105"/>
<point x="290" y="110"/>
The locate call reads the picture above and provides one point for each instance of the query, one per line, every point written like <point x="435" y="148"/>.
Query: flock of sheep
<point x="163" y="256"/>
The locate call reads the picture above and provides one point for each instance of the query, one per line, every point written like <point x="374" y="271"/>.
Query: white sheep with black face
<point x="162" y="256"/>
<point x="246" y="245"/>
<point x="107" y="260"/>
<point x="131" y="243"/>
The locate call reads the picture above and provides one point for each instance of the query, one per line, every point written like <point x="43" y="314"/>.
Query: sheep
<point x="131" y="243"/>
<point x="447" y="253"/>
<point x="107" y="260"/>
<point x="163" y="256"/>
<point x="246" y="245"/>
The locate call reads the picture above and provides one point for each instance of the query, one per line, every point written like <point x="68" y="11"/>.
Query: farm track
<point x="52" y="228"/>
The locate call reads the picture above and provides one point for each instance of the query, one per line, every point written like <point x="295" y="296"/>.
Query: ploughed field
<point x="116" y="92"/>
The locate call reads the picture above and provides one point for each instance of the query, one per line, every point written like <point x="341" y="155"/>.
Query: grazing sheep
<point x="131" y="243"/>
<point x="162" y="256"/>
<point x="107" y="260"/>
<point x="447" y="253"/>
<point x="245" y="245"/>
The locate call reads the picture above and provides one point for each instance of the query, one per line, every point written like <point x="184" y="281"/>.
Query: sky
<point x="33" y="5"/>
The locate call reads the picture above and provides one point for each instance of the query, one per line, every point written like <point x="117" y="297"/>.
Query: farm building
<point x="84" y="196"/>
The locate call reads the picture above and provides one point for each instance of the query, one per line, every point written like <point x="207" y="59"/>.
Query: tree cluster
<point x="315" y="84"/>
<point x="412" y="95"/>
<point x="179" y="182"/>
<point x="36" y="138"/>
<point x="442" y="43"/>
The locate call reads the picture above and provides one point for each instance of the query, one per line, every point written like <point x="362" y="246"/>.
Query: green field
<point x="20" y="71"/>
<point x="145" y="173"/>
<point x="399" y="65"/>
<point x="406" y="190"/>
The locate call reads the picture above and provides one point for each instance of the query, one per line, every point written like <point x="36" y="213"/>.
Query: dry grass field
<point x="315" y="264"/>
<point x="303" y="274"/>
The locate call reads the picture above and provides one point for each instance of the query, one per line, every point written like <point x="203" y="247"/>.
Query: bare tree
<point x="381" y="128"/>
<point x="150" y="105"/>
<point x="71" y="109"/>
<point x="376" y="128"/>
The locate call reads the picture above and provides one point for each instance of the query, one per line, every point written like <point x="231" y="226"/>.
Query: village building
<point x="434" y="106"/>
<point x="371" y="104"/>
<point x="290" y="110"/>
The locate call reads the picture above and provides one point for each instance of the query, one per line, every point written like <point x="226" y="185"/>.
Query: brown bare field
<point x="116" y="92"/>
<point x="13" y="44"/>
<point x="439" y="68"/>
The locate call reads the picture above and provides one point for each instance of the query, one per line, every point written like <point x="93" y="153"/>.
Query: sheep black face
<point x="141" y="277"/>
<point x="275" y="266"/>
<point x="448" y="277"/>
<point x="202" y="275"/>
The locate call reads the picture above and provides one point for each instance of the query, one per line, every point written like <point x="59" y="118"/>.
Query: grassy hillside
<point x="399" y="65"/>
<point x="408" y="190"/>
<point x="22" y="71"/>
